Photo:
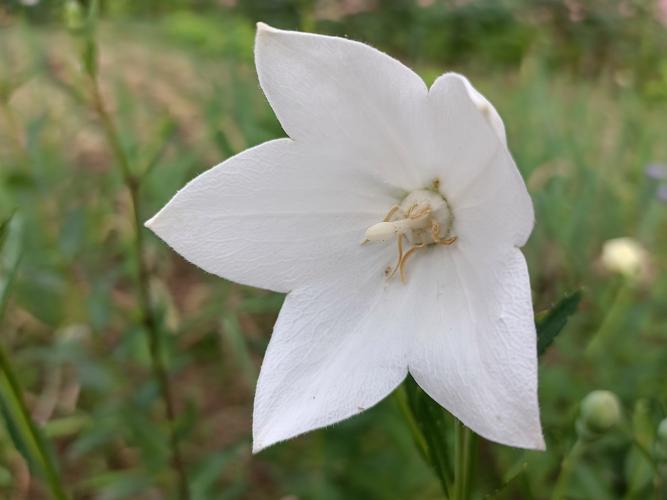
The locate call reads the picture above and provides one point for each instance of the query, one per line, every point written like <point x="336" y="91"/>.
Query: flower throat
<point x="423" y="219"/>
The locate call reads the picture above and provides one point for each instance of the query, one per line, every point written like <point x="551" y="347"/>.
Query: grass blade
<point x="25" y="434"/>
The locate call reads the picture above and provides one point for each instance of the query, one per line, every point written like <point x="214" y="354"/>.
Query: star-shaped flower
<point x="393" y="216"/>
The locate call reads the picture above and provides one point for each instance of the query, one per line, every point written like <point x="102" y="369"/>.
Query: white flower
<point x="369" y="142"/>
<point x="625" y="256"/>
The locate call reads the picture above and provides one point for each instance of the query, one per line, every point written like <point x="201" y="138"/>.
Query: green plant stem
<point x="566" y="468"/>
<point x="149" y="320"/>
<point x="463" y="453"/>
<point x="402" y="400"/>
<point x="612" y="319"/>
<point x="28" y="429"/>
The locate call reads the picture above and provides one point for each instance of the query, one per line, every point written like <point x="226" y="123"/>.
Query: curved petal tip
<point x="265" y="28"/>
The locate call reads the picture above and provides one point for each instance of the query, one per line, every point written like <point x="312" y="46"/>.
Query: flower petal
<point x="496" y="207"/>
<point x="474" y="350"/>
<point x="339" y="93"/>
<point x="480" y="179"/>
<point x="487" y="109"/>
<point x="275" y="216"/>
<point x="337" y="349"/>
<point x="460" y="140"/>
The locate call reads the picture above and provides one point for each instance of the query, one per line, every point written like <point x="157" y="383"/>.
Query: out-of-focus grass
<point x="186" y="97"/>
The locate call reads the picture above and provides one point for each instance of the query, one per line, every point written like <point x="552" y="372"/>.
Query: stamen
<point x="419" y="219"/>
<point x="424" y="210"/>
<point x="391" y="213"/>
<point x="405" y="259"/>
<point x="449" y="241"/>
<point x="400" y="256"/>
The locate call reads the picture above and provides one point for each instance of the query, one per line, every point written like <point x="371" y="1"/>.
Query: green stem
<point x="612" y="318"/>
<point x="469" y="458"/>
<point x="149" y="320"/>
<point x="28" y="429"/>
<point x="403" y="405"/>
<point x="566" y="468"/>
<point x="463" y="454"/>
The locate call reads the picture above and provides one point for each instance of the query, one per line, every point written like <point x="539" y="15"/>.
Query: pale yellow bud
<point x="625" y="256"/>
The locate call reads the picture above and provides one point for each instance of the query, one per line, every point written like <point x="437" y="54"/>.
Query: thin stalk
<point x="149" y="320"/>
<point x="469" y="457"/>
<point x="613" y="318"/>
<point x="566" y="468"/>
<point x="28" y="429"/>
<point x="402" y="400"/>
<point x="463" y="454"/>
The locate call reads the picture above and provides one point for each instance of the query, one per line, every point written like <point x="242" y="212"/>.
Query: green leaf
<point x="432" y="424"/>
<point x="552" y="322"/>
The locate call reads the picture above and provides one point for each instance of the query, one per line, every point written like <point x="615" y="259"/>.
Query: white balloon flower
<point x="393" y="216"/>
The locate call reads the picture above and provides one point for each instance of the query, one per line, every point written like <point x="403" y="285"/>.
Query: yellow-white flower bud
<point x="624" y="256"/>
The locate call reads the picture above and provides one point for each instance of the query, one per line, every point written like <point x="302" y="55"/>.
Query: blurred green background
<point x="582" y="87"/>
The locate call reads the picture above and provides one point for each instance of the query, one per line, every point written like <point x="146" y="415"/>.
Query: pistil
<point x="386" y="230"/>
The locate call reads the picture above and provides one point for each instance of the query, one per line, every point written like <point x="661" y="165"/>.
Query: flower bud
<point x="625" y="256"/>
<point x="600" y="412"/>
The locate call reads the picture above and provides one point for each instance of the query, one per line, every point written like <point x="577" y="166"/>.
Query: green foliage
<point x="550" y="323"/>
<point x="22" y="430"/>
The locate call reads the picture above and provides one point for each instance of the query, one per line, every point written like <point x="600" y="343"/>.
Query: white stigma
<point x="383" y="231"/>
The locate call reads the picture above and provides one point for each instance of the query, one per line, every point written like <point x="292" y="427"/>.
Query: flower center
<point x="423" y="219"/>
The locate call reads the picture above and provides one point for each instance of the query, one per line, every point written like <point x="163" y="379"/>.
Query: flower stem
<point x="463" y="456"/>
<point x="148" y="318"/>
<point x="612" y="319"/>
<point x="566" y="468"/>
<point x="403" y="405"/>
<point x="27" y="428"/>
